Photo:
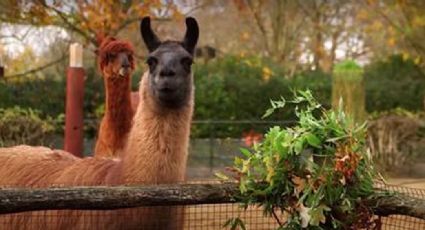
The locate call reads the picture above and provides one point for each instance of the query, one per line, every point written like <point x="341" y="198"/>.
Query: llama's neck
<point x="118" y="109"/>
<point x="157" y="147"/>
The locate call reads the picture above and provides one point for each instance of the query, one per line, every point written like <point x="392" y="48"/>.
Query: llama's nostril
<point x="166" y="88"/>
<point x="167" y="73"/>
<point x="125" y="65"/>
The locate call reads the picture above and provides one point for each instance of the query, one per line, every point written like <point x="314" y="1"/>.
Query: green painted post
<point x="348" y="85"/>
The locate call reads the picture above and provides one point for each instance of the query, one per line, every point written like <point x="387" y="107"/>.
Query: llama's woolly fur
<point x="119" y="109"/>
<point x="156" y="152"/>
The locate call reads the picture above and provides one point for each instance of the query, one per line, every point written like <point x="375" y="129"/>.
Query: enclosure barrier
<point x="16" y="200"/>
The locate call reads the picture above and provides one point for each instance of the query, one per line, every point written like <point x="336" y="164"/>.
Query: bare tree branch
<point x="71" y="26"/>
<point x="35" y="70"/>
<point x="415" y="45"/>
<point x="257" y="17"/>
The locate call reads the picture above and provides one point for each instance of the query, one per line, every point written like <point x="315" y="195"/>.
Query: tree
<point x="280" y="28"/>
<point x="85" y="18"/>
<point x="401" y="25"/>
<point x="330" y="26"/>
<point x="305" y="32"/>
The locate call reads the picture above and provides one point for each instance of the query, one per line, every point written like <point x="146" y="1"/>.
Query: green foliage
<point x="234" y="88"/>
<point x="235" y="223"/>
<point x="393" y="83"/>
<point x="315" y="174"/>
<point x="316" y="81"/>
<point x="47" y="95"/>
<point x="25" y="126"/>
<point x="347" y="65"/>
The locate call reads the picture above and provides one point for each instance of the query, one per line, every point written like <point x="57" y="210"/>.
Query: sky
<point x="14" y="38"/>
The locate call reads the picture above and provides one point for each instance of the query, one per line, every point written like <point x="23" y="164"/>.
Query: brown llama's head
<point x="115" y="57"/>
<point x="170" y="65"/>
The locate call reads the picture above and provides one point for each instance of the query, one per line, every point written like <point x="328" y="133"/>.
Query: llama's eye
<point x="111" y="56"/>
<point x="152" y="62"/>
<point x="130" y="57"/>
<point x="187" y="62"/>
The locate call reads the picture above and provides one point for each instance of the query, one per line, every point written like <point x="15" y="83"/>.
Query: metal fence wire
<point x="207" y="155"/>
<point x="204" y="216"/>
<point x="398" y="221"/>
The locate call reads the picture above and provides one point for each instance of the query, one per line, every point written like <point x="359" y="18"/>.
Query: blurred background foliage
<point x="20" y="125"/>
<point x="235" y="88"/>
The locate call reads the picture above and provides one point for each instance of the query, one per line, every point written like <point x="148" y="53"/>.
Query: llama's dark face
<point x="170" y="74"/>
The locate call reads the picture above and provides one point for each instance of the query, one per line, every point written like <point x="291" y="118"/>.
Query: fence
<point x="217" y="150"/>
<point x="195" y="206"/>
<point x="214" y="151"/>
<point x="207" y="153"/>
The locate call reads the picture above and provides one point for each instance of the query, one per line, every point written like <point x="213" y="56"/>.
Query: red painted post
<point x="74" y="123"/>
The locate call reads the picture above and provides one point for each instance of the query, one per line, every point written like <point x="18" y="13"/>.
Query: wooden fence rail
<point x="13" y="200"/>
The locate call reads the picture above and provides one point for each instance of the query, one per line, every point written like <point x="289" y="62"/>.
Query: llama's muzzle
<point x="124" y="71"/>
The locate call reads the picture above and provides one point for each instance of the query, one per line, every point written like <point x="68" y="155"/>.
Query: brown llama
<point x="116" y="63"/>
<point x="156" y="150"/>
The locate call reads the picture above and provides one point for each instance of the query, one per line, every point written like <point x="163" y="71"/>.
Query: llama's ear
<point x="151" y="40"/>
<point x="192" y="34"/>
<point x="99" y="38"/>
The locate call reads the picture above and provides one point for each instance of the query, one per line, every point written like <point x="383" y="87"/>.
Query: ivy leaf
<point x="317" y="215"/>
<point x="284" y="165"/>
<point x="238" y="161"/>
<point x="234" y="223"/>
<point x="345" y="205"/>
<point x="245" y="152"/>
<point x="221" y="176"/>
<point x="242" y="185"/>
<point x="313" y="140"/>
<point x="299" y="183"/>
<point x="268" y="160"/>
<point x="307" y="160"/>
<point x="298" y="146"/>
<point x="304" y="215"/>
<point x="239" y="223"/>
<point x="268" y="113"/>
<point x="275" y="105"/>
<point x="335" y="139"/>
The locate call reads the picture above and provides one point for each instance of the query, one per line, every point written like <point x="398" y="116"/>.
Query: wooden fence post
<point x="74" y="102"/>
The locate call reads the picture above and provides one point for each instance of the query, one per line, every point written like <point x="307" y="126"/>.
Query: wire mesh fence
<point x="202" y="216"/>
<point x="207" y="155"/>
<point x="398" y="221"/>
